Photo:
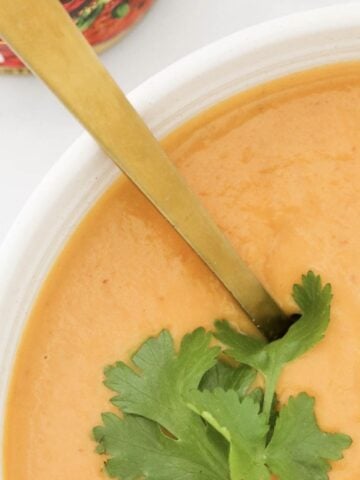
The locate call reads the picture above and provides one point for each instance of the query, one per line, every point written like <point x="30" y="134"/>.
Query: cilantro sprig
<point x="314" y="302"/>
<point x="197" y="414"/>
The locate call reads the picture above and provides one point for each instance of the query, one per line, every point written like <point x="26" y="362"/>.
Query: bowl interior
<point x="165" y="101"/>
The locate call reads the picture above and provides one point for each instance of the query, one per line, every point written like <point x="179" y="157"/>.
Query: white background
<point x="35" y="129"/>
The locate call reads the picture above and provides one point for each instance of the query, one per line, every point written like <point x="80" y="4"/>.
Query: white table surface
<point x="35" y="129"/>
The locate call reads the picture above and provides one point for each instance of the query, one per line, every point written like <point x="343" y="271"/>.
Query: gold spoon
<point x="42" y="33"/>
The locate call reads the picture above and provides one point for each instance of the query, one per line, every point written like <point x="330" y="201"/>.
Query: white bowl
<point x="242" y="60"/>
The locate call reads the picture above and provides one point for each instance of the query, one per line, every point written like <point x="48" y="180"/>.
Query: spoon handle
<point x="43" y="35"/>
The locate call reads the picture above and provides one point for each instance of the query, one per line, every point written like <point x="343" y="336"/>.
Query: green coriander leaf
<point x="139" y="449"/>
<point x="155" y="390"/>
<point x="314" y="302"/>
<point x="246" y="350"/>
<point x="242" y="424"/>
<point x="299" y="450"/>
<point x="228" y="377"/>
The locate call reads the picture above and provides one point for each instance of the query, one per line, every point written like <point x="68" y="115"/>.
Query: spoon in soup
<point x="44" y="36"/>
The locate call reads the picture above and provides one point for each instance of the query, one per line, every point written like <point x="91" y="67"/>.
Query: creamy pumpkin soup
<point x="279" y="170"/>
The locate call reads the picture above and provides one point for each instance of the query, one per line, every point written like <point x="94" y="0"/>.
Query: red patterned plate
<point x="101" y="21"/>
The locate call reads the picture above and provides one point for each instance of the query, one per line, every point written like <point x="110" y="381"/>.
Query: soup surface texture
<point x="279" y="170"/>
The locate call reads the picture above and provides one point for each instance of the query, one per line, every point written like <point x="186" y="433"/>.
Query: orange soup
<point x="278" y="168"/>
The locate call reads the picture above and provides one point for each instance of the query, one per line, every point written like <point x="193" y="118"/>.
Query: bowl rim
<point x="78" y="162"/>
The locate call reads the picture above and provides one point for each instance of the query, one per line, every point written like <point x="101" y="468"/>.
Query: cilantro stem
<point x="270" y="381"/>
<point x="268" y="400"/>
